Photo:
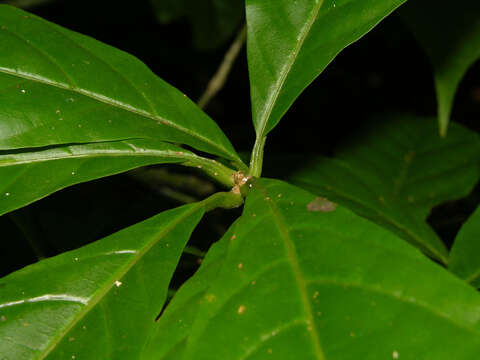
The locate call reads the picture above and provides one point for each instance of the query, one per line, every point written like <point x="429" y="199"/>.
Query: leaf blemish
<point x="241" y="309"/>
<point x="321" y="204"/>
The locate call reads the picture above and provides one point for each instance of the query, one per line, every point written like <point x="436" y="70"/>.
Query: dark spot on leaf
<point x="321" y="204"/>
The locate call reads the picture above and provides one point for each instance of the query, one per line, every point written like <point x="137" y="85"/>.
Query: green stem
<point x="256" y="161"/>
<point x="217" y="171"/>
<point x="224" y="200"/>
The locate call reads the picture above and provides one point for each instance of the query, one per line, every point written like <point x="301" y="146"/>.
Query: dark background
<point x="386" y="71"/>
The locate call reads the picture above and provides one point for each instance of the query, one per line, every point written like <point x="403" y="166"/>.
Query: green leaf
<point x="396" y="172"/>
<point x="449" y="33"/>
<point x="173" y="328"/>
<point x="290" y="43"/>
<point x="299" y="278"/>
<point x="464" y="256"/>
<point x="27" y="176"/>
<point x="97" y="302"/>
<point x="213" y="21"/>
<point x="61" y="87"/>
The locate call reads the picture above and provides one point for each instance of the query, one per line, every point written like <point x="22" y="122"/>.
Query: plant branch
<point x="218" y="80"/>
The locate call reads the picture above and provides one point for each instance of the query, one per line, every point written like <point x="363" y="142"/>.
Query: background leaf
<point x="61" y="87"/>
<point x="450" y="35"/>
<point x="290" y="43"/>
<point x="395" y="172"/>
<point x="213" y="21"/>
<point x="27" y="176"/>
<point x="464" y="256"/>
<point x="299" y="277"/>
<point x="98" y="302"/>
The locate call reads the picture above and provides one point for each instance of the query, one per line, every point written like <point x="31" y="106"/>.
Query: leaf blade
<point x="256" y="310"/>
<point x="395" y="173"/>
<point x="464" y="260"/>
<point x="289" y="45"/>
<point x="26" y="176"/>
<point x="62" y="310"/>
<point x="51" y="96"/>
<point x="450" y="36"/>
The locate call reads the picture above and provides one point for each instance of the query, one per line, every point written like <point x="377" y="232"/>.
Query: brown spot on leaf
<point x="321" y="204"/>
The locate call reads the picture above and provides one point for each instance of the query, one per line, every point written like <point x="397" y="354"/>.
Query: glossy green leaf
<point x="98" y="302"/>
<point x="27" y="176"/>
<point x="213" y="21"/>
<point x="290" y="43"/>
<point x="173" y="328"/>
<point x="449" y="32"/>
<point x="396" y="172"/>
<point x="298" y="277"/>
<point x="464" y="256"/>
<point x="61" y="87"/>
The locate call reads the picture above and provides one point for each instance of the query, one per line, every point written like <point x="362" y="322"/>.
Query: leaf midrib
<point x="298" y="273"/>
<point x="117" y="276"/>
<point x="286" y="70"/>
<point x="106" y="153"/>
